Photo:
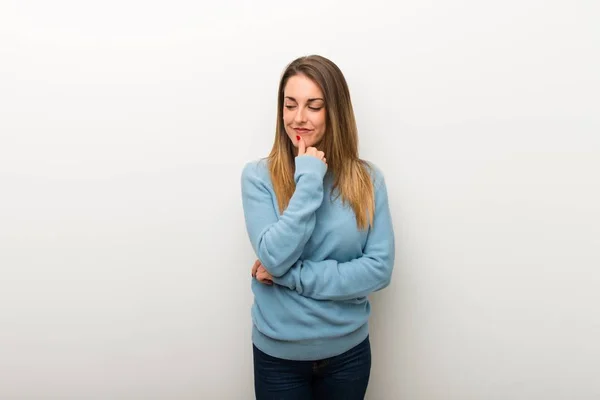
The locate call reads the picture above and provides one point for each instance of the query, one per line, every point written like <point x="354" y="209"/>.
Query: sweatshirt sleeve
<point x="332" y="280"/>
<point x="278" y="240"/>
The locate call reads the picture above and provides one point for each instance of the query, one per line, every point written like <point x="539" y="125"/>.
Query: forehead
<point x="302" y="87"/>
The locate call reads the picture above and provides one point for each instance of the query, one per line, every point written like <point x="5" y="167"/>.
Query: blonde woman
<point x="318" y="219"/>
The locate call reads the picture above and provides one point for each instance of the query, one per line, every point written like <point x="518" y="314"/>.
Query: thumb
<point x="301" y="145"/>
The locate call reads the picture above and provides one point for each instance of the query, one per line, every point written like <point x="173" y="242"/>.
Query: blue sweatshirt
<point x="323" y="266"/>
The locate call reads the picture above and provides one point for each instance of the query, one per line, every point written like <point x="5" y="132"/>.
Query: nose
<point x="300" y="116"/>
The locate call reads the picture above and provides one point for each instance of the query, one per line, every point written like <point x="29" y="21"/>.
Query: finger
<point x="264" y="277"/>
<point x="262" y="272"/>
<point x="255" y="267"/>
<point x="301" y="145"/>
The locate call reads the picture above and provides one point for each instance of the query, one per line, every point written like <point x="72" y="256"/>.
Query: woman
<point x="318" y="219"/>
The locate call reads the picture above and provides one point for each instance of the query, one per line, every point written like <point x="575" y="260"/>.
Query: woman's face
<point x="303" y="110"/>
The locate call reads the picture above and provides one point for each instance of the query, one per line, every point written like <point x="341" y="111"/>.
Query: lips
<point x="302" y="130"/>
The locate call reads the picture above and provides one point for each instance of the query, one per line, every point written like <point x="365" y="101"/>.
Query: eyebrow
<point x="309" y="100"/>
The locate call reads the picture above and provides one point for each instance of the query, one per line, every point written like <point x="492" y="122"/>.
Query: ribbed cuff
<point x="309" y="165"/>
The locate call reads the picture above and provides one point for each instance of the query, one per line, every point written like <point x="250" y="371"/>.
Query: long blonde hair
<point x="352" y="177"/>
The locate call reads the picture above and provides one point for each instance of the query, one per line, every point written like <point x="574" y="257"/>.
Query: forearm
<point x="279" y="240"/>
<point x="282" y="243"/>
<point x="330" y="280"/>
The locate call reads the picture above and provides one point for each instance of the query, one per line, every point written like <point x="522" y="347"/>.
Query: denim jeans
<point x="343" y="377"/>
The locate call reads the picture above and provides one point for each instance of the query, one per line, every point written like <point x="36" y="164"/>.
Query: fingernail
<point x="297" y="137"/>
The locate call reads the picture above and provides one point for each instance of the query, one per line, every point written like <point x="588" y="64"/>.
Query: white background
<point x="124" y="126"/>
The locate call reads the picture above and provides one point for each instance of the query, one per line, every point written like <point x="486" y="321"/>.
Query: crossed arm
<point x="332" y="280"/>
